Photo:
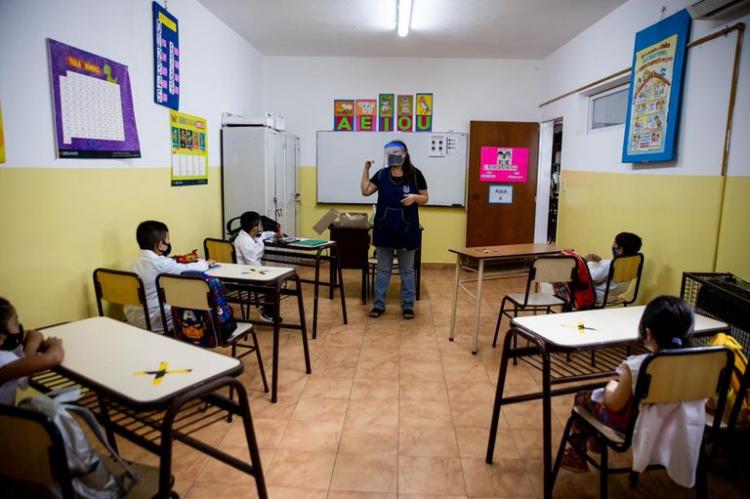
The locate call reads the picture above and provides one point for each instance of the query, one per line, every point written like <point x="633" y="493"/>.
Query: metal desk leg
<point x="455" y="298"/>
<point x="546" y="422"/>
<point x="499" y="395"/>
<point x="252" y="442"/>
<point x="341" y="285"/>
<point x="303" y="323"/>
<point x="276" y="327"/>
<point x="104" y="409"/>
<point x="316" y="286"/>
<point x="475" y="340"/>
<point x="334" y="253"/>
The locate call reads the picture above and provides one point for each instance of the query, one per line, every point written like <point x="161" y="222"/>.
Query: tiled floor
<point x="394" y="409"/>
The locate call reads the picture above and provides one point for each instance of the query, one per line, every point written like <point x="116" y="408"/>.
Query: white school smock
<point x="249" y="249"/>
<point x="148" y="266"/>
<point x="9" y="388"/>
<point x="669" y="435"/>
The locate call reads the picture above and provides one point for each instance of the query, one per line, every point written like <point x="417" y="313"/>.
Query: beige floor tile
<point x="375" y="389"/>
<point x="311" y="436"/>
<point x="350" y="494"/>
<point x="268" y="432"/>
<point x="321" y="409"/>
<point x="472" y="442"/>
<point x="503" y="478"/>
<point x="365" y="473"/>
<point x="369" y="439"/>
<point x="292" y="493"/>
<point x="427" y="441"/>
<point x="373" y="412"/>
<point x="430" y="475"/>
<point x="323" y="386"/>
<point x="222" y="490"/>
<point x="301" y="469"/>
<point x="216" y="471"/>
<point x="418" y="412"/>
<point x="428" y="391"/>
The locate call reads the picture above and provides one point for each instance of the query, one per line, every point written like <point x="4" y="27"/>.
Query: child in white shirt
<point x="249" y="245"/>
<point x="625" y="244"/>
<point x="22" y="353"/>
<point x="153" y="239"/>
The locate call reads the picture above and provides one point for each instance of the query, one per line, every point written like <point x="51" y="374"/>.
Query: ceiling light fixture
<point x="404" y="16"/>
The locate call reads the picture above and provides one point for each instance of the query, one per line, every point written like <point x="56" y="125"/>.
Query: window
<point x="608" y="108"/>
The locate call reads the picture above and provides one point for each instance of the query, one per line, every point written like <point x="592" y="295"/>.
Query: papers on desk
<point x="311" y="243"/>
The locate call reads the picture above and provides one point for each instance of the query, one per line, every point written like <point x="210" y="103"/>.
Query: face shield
<point x="395" y="154"/>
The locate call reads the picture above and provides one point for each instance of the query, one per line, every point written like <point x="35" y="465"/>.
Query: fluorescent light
<point x="404" y="16"/>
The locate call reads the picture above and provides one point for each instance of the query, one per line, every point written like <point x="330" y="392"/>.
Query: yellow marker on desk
<point x="582" y="328"/>
<point x="261" y="272"/>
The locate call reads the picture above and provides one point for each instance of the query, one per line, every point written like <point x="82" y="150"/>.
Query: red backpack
<point x="583" y="289"/>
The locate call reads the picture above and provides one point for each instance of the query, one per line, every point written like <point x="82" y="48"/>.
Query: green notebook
<point x="310" y="242"/>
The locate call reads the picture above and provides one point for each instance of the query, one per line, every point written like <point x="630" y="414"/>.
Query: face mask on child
<point x="166" y="252"/>
<point x="13" y="340"/>
<point x="614" y="251"/>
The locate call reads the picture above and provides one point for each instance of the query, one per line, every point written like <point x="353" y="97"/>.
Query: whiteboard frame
<point x="356" y="198"/>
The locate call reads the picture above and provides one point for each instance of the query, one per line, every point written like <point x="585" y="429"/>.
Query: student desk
<point x="478" y="257"/>
<point x="558" y="348"/>
<point x="269" y="280"/>
<point x="142" y="380"/>
<point x="311" y="256"/>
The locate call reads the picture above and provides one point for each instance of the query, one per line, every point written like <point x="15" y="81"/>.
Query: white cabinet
<point x="259" y="173"/>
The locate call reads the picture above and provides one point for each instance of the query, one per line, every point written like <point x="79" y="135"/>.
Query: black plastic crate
<point x="722" y="296"/>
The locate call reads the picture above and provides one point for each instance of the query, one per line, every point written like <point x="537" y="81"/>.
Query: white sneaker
<point x="266" y="318"/>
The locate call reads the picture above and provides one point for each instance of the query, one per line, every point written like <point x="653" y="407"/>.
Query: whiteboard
<point x="341" y="157"/>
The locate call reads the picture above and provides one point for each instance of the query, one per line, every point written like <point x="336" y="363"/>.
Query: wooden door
<point x="494" y="224"/>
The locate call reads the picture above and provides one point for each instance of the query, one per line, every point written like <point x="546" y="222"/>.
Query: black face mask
<point x="13" y="340"/>
<point x="167" y="251"/>
<point x="395" y="160"/>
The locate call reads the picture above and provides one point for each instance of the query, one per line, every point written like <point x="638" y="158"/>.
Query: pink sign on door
<point x="504" y="164"/>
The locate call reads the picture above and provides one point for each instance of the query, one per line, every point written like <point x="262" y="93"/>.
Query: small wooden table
<point x="269" y="280"/>
<point x="559" y="334"/>
<point x="128" y="367"/>
<point x="311" y="256"/>
<point x="479" y="256"/>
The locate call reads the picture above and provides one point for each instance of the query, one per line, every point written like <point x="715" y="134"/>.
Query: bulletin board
<point x="94" y="116"/>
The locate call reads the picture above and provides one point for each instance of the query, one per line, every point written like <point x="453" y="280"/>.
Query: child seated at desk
<point x="625" y="244"/>
<point x="666" y="323"/>
<point x="22" y="353"/>
<point x="153" y="259"/>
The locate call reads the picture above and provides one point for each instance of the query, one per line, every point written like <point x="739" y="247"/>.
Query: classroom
<point x="540" y="157"/>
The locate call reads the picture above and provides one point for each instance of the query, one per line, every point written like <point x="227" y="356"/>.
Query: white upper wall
<point x="303" y="90"/>
<point x="219" y="72"/>
<point x="607" y="47"/>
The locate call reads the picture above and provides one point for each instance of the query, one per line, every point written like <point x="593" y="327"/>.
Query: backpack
<point x="738" y="372"/>
<point x="91" y="478"/>
<point x="583" y="289"/>
<point x="208" y="330"/>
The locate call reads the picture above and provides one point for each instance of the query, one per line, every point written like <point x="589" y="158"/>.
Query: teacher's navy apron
<point x="396" y="226"/>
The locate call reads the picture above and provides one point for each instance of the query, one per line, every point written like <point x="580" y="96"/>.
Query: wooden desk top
<point x="506" y="251"/>
<point x="250" y="273"/>
<point x="602" y="326"/>
<point x="102" y="352"/>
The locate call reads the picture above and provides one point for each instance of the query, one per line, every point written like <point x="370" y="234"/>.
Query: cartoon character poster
<point x="189" y="149"/>
<point x="405" y="121"/>
<point x="424" y="113"/>
<point x="343" y="115"/>
<point x="655" y="90"/>
<point x="386" y="112"/>
<point x="504" y="164"/>
<point x="366" y="114"/>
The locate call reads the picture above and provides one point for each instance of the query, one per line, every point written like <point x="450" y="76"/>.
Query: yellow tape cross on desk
<point x="161" y="372"/>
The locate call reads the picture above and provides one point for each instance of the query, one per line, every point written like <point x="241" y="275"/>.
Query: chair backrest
<point x="551" y="269"/>
<point x="625" y="269"/>
<point x="683" y="375"/>
<point x="233" y="228"/>
<point x="183" y="291"/>
<point x="33" y="452"/>
<point x="219" y="250"/>
<point x="121" y="288"/>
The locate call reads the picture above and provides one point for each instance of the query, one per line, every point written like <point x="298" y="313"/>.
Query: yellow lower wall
<point x="58" y="225"/>
<point x="734" y="238"/>
<point x="443" y="227"/>
<point x="677" y="217"/>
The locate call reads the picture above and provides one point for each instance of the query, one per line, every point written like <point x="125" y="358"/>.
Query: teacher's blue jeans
<point x="383" y="276"/>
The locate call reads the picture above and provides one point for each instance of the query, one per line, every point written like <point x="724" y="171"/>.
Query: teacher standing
<point x="401" y="188"/>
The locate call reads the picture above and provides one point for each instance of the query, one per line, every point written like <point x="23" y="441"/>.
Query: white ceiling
<point x="517" y="29"/>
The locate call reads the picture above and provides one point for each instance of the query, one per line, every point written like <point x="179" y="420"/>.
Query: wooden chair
<point x="624" y="269"/>
<point x="666" y="376"/>
<point x="556" y="269"/>
<point x="33" y="462"/>
<point x="194" y="293"/>
<point x="219" y="250"/>
<point x="121" y="288"/>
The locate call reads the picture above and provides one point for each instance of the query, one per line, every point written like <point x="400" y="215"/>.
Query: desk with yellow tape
<point x="152" y="389"/>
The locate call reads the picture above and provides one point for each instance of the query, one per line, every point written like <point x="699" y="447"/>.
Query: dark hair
<point x="249" y="220"/>
<point x="408" y="166"/>
<point x="629" y="242"/>
<point x="6" y="312"/>
<point x="150" y="233"/>
<point x="670" y="321"/>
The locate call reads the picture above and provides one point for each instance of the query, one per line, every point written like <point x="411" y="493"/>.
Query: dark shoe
<point x="408" y="313"/>
<point x="267" y="316"/>
<point x="376" y="312"/>
<point x="573" y="461"/>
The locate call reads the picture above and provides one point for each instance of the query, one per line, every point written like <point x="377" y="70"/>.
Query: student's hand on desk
<point x="409" y="199"/>
<point x="210" y="263"/>
<point x="592" y="257"/>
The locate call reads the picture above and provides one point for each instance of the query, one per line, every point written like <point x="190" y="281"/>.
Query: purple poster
<point x="94" y="115"/>
<point x="504" y="164"/>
